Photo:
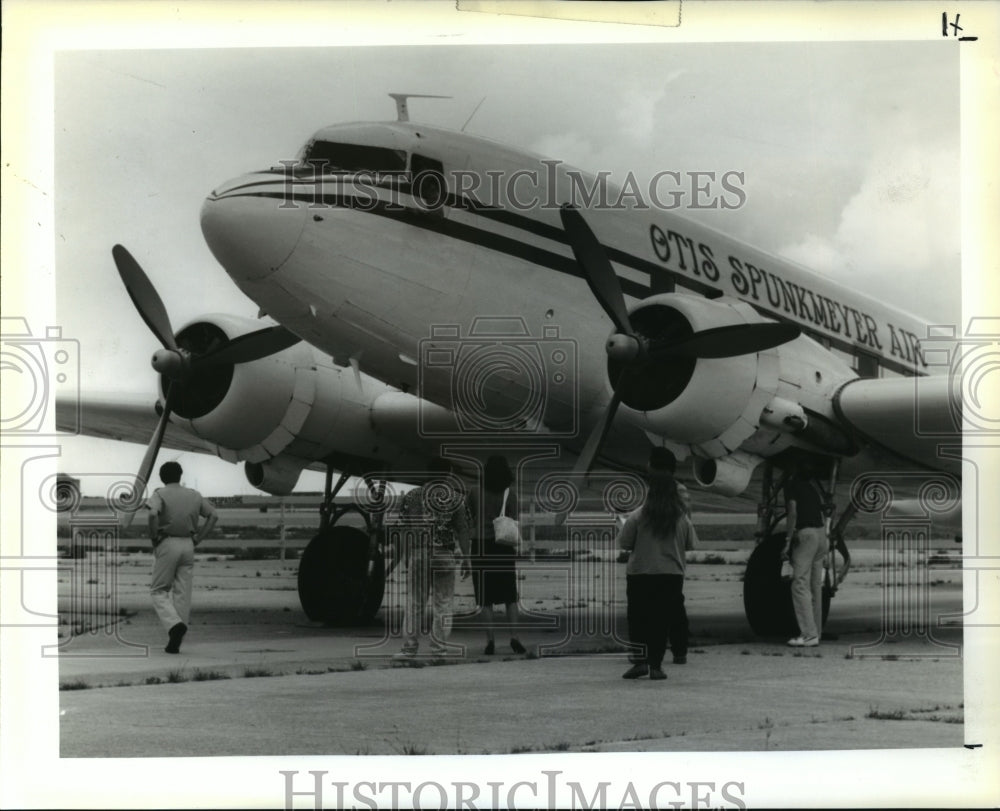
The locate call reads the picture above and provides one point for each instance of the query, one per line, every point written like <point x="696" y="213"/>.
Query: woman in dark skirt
<point x="494" y="568"/>
<point x="657" y="536"/>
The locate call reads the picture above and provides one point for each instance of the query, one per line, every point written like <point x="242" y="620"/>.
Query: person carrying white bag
<point x="494" y="564"/>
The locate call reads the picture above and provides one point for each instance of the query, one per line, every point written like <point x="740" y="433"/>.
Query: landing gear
<point x="342" y="572"/>
<point x="767" y="599"/>
<point x="334" y="584"/>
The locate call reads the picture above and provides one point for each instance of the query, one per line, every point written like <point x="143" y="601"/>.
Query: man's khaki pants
<point x="429" y="577"/>
<point x="173" y="573"/>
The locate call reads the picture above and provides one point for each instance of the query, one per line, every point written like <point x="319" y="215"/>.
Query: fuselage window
<point x="429" y="186"/>
<point x="330" y="156"/>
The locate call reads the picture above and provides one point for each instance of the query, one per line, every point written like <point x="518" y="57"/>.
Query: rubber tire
<point x="767" y="599"/>
<point x="334" y="587"/>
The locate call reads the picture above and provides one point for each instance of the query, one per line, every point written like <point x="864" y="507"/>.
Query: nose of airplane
<point x="251" y="227"/>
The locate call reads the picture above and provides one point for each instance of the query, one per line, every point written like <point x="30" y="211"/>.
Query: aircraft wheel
<point x="767" y="599"/>
<point x="334" y="587"/>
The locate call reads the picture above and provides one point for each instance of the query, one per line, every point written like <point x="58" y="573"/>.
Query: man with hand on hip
<point x="174" y="517"/>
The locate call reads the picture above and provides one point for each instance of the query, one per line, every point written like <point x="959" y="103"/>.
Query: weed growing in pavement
<point x="892" y="715"/>
<point x="209" y="675"/>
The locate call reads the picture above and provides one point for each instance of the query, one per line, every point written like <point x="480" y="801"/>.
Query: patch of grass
<point x="413" y="749"/>
<point x="209" y="675"/>
<point x="177" y="675"/>
<point x="711" y="559"/>
<point x="892" y="715"/>
<point x="357" y="664"/>
<point x="562" y="746"/>
<point x="520" y="750"/>
<point x="153" y="680"/>
<point x="257" y="672"/>
<point x="75" y="684"/>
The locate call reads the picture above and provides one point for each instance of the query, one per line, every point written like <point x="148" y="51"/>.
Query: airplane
<point x="575" y="336"/>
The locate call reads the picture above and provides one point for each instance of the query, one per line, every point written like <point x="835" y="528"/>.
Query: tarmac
<point x="255" y="677"/>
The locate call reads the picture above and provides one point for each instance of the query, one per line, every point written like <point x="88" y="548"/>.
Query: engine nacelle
<point x="276" y="476"/>
<point x="278" y="410"/>
<point x="711" y="404"/>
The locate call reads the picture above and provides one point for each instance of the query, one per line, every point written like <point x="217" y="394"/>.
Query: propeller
<point x="630" y="351"/>
<point x="178" y="364"/>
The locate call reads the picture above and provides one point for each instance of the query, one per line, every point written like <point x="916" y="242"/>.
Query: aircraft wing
<point x="123" y="416"/>
<point x="917" y="418"/>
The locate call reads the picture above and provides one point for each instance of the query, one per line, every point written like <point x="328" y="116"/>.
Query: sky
<point x="849" y="154"/>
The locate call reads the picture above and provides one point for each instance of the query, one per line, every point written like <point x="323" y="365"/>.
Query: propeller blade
<point x="597" y="269"/>
<point x="250" y="347"/>
<point x="730" y="341"/>
<point x="144" y="296"/>
<point x="596" y="438"/>
<point x="148" y="460"/>
<point x="593" y="444"/>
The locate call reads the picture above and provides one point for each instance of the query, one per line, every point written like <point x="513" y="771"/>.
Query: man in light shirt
<point x="175" y="513"/>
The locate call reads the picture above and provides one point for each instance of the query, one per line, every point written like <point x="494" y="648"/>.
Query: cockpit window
<point x="331" y="156"/>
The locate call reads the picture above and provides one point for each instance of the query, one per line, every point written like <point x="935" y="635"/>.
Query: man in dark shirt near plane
<point x="806" y="546"/>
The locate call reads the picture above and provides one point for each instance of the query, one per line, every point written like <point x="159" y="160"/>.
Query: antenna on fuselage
<point x="402" y="113"/>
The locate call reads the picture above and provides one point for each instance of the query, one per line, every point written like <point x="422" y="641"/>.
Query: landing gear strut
<point x="342" y="572"/>
<point x="767" y="599"/>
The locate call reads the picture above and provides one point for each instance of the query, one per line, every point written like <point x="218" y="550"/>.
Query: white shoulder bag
<point x="505" y="529"/>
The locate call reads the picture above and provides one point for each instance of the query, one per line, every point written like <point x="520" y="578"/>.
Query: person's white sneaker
<point x="804" y="641"/>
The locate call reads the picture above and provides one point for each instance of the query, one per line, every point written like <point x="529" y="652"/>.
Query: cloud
<point x="639" y="113"/>
<point x="898" y="236"/>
